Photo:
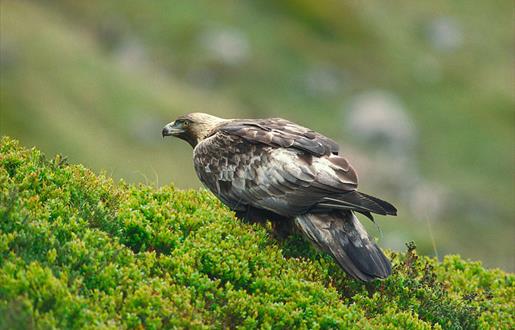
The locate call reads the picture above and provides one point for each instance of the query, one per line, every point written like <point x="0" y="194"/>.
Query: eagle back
<point x="279" y="132"/>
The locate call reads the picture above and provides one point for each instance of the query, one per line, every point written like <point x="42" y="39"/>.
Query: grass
<point x="81" y="251"/>
<point x="65" y="89"/>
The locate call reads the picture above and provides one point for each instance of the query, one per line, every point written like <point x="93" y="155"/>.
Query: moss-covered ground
<point x="79" y="250"/>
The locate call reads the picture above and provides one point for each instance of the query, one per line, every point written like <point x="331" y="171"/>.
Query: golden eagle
<point x="277" y="170"/>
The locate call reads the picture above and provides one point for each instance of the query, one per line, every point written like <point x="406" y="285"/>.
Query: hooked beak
<point x="171" y="129"/>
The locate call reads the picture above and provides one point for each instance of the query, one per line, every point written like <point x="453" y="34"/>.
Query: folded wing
<point x="281" y="167"/>
<point x="278" y="132"/>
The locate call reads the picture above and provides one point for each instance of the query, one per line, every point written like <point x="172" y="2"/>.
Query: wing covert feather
<point x="279" y="132"/>
<point x="280" y="180"/>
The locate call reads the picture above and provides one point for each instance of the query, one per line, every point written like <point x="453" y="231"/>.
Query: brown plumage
<point x="277" y="170"/>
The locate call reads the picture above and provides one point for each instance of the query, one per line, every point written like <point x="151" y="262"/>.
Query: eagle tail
<point x="356" y="201"/>
<point x="340" y="234"/>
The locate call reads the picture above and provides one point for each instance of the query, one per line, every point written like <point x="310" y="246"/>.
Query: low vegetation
<point x="98" y="73"/>
<point x="79" y="250"/>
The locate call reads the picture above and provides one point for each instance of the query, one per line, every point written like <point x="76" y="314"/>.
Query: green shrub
<point x="79" y="251"/>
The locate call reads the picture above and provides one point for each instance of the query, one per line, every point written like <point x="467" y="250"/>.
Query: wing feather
<point x="281" y="167"/>
<point x="281" y="180"/>
<point x="279" y="132"/>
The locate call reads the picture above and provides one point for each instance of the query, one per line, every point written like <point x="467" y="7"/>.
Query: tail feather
<point x="342" y="235"/>
<point x="387" y="207"/>
<point x="357" y="201"/>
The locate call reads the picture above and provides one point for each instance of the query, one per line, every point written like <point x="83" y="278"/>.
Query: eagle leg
<point x="282" y="227"/>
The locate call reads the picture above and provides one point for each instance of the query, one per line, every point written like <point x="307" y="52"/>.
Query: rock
<point x="380" y="119"/>
<point x="444" y="34"/>
<point x="228" y="46"/>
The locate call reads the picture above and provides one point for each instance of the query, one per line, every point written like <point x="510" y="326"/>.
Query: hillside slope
<point x="97" y="81"/>
<point x="79" y="250"/>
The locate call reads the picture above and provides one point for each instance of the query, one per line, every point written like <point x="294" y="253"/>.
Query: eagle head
<point x="193" y="127"/>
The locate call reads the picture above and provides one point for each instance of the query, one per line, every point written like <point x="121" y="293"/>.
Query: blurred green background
<point x="419" y="94"/>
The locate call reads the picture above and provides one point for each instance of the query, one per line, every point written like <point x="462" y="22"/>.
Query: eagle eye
<point x="182" y="123"/>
